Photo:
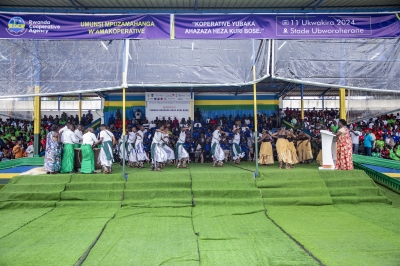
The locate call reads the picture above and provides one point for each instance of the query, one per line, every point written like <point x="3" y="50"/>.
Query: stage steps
<point x="281" y="187"/>
<point x="352" y="187"/>
<point x="84" y="187"/>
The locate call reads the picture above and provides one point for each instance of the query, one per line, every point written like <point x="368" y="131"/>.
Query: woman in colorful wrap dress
<point x="344" y="148"/>
<point x="52" y="157"/>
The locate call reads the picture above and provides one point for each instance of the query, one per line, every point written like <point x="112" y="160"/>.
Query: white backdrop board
<point x="167" y="104"/>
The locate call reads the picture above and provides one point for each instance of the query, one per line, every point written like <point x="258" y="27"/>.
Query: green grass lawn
<point x="200" y="216"/>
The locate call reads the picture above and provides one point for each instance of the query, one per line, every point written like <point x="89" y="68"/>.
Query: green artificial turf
<point x="394" y="197"/>
<point x="230" y="221"/>
<point x="358" y="227"/>
<point x="199" y="216"/>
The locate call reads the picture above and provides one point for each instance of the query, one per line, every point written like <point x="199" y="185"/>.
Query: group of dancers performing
<point x="60" y="146"/>
<point x="287" y="153"/>
<point x="162" y="154"/>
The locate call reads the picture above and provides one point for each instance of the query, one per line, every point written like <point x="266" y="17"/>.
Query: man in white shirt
<point x="88" y="141"/>
<point x="79" y="136"/>
<point x="138" y="116"/>
<point x="152" y="125"/>
<point x="197" y="124"/>
<point x="355" y="135"/>
<point x="29" y="150"/>
<point x="62" y="130"/>
<point x="107" y="140"/>
<point x="68" y="139"/>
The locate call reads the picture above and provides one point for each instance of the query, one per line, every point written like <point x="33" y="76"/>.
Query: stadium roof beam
<point x="100" y="94"/>
<point x="75" y="2"/>
<point x="310" y="4"/>
<point x="323" y="93"/>
<point x="318" y="4"/>
<point x="289" y="87"/>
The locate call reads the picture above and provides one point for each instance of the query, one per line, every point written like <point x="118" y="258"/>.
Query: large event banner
<point x="166" y="104"/>
<point x="61" y="26"/>
<point x="287" y="26"/>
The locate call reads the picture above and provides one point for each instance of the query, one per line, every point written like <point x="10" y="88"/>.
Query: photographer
<point x="18" y="150"/>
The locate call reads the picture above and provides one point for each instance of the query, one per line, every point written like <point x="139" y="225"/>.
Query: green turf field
<point x="200" y="216"/>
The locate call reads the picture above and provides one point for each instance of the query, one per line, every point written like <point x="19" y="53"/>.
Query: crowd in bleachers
<point x="16" y="135"/>
<point x="376" y="136"/>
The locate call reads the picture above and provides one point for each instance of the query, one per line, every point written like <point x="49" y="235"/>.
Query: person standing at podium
<point x="344" y="150"/>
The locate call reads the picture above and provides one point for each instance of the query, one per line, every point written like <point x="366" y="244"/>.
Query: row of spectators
<point x="376" y="136"/>
<point x="63" y="119"/>
<point x="16" y="135"/>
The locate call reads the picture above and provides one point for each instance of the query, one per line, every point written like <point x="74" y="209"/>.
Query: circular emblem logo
<point x="16" y="26"/>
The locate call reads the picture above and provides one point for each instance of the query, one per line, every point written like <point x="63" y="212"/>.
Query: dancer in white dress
<point x="217" y="152"/>
<point x="131" y="147"/>
<point x="158" y="154"/>
<point x="181" y="155"/>
<point x="170" y="152"/>
<point x="120" y="151"/>
<point x="107" y="141"/>
<point x="236" y="151"/>
<point x="140" y="152"/>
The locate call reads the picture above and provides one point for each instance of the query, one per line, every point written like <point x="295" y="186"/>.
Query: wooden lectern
<point x="328" y="150"/>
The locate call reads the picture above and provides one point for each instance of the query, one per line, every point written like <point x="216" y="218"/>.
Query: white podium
<point x="328" y="150"/>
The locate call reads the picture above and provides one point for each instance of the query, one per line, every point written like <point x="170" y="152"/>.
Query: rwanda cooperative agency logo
<point x="16" y="26"/>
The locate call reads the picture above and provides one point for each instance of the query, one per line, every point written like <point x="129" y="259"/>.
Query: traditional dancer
<point x="88" y="141"/>
<point x="131" y="147"/>
<point x="304" y="148"/>
<point x="266" y="155"/>
<point x="52" y="157"/>
<point x="282" y="148"/>
<point x="69" y="139"/>
<point x="120" y="151"/>
<point x="293" y="152"/>
<point x="217" y="152"/>
<point x="107" y="140"/>
<point x="79" y="136"/>
<point x="158" y="154"/>
<point x="140" y="152"/>
<point x="236" y="151"/>
<point x="170" y="152"/>
<point x="181" y="155"/>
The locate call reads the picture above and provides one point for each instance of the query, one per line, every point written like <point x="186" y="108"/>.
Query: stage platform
<point x="199" y="216"/>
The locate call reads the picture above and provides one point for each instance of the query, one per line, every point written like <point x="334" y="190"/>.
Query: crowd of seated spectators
<point x="376" y="136"/>
<point x="16" y="135"/>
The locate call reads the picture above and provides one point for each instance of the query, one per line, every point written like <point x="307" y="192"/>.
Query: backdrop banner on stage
<point x="166" y="104"/>
<point x="193" y="26"/>
<point x="40" y="26"/>
<point x="287" y="26"/>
